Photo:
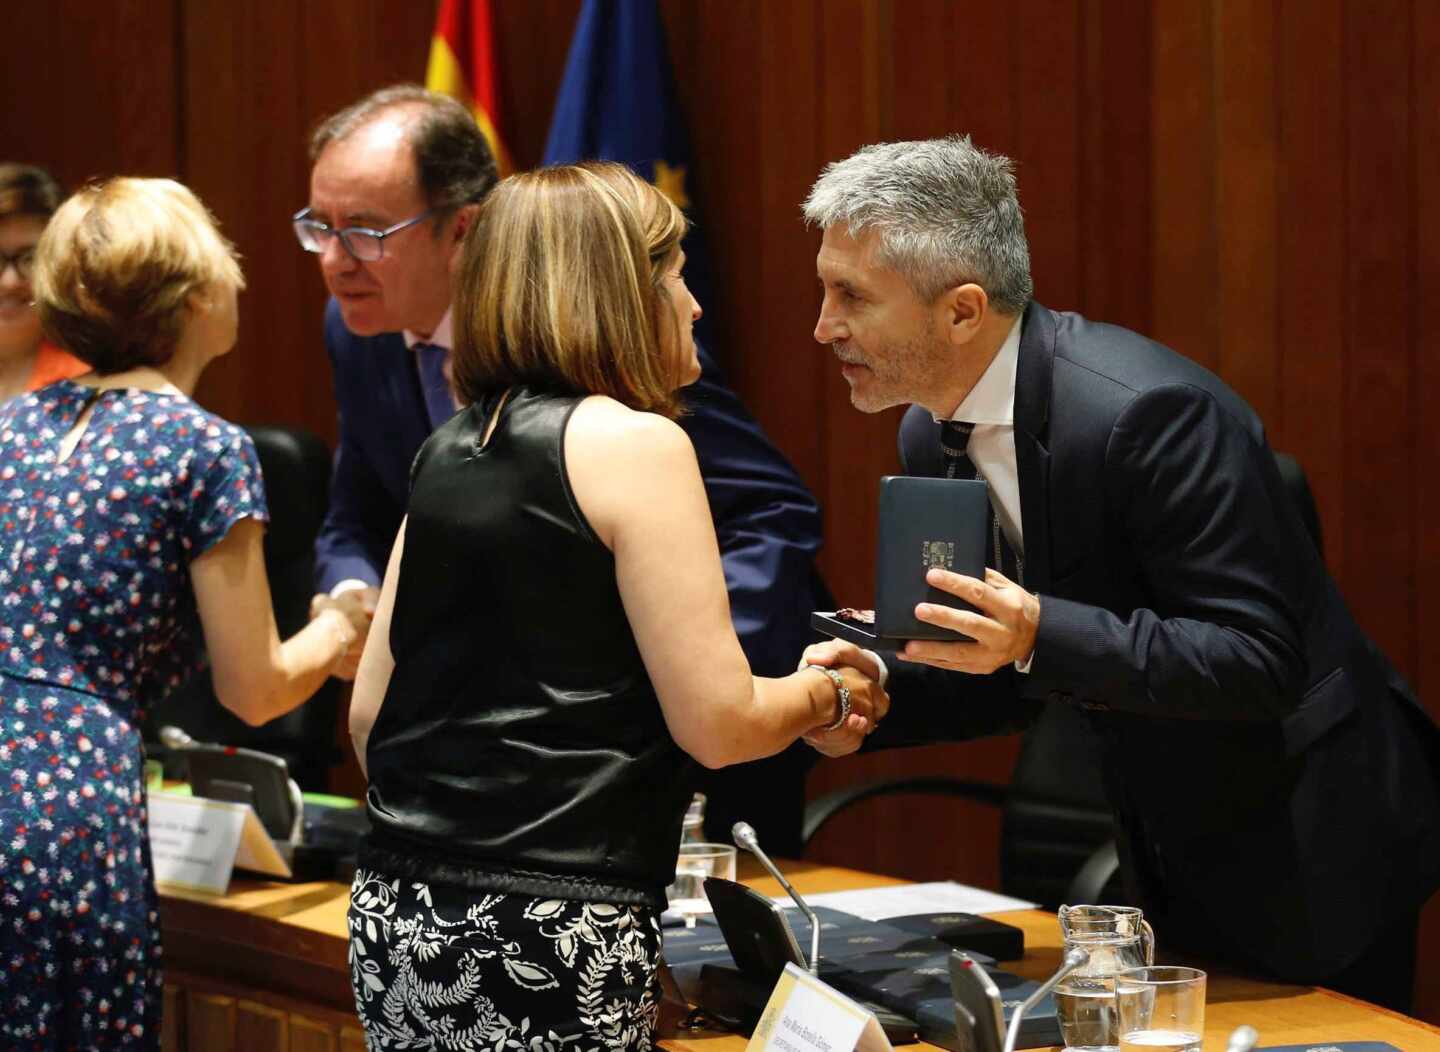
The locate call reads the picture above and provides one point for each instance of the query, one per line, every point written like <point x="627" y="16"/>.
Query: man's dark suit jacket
<point x="1273" y="779"/>
<point x="767" y="523"/>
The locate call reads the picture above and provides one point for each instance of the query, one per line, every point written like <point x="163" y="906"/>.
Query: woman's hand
<point x="868" y="706"/>
<point x="350" y="613"/>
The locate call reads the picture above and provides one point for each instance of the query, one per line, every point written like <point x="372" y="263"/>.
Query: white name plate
<point x="806" y="1015"/>
<point x="195" y="843"/>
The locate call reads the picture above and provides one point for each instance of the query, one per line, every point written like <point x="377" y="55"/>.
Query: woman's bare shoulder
<point x="601" y="424"/>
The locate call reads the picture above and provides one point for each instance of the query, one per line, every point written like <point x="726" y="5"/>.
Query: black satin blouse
<point x="520" y="746"/>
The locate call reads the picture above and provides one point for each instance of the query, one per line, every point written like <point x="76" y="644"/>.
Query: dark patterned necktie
<point x="430" y="359"/>
<point x="954" y="443"/>
<point x="954" y="447"/>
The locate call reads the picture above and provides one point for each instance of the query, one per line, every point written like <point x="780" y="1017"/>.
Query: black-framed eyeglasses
<point x="23" y="262"/>
<point x="361" y="242"/>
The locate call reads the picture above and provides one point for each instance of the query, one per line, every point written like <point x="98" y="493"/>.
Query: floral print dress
<point x="97" y="620"/>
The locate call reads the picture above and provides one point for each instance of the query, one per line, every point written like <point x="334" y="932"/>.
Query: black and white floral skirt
<point x="442" y="967"/>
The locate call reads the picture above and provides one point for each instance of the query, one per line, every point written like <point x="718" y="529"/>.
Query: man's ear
<point x="464" y="216"/>
<point x="963" y="310"/>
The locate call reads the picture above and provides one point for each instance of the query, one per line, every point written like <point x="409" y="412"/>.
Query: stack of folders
<point x="875" y="962"/>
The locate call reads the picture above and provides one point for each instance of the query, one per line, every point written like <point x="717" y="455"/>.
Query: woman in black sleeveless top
<point x="552" y="651"/>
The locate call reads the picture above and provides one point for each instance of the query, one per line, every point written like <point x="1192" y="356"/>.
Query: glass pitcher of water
<point x="1116" y="938"/>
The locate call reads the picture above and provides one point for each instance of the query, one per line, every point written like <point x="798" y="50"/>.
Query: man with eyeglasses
<point x="396" y="181"/>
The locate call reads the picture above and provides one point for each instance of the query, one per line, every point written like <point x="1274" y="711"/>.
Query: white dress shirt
<point x="443" y="336"/>
<point x="990" y="406"/>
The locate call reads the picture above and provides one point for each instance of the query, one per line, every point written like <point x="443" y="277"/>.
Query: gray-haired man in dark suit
<point x="1273" y="779"/>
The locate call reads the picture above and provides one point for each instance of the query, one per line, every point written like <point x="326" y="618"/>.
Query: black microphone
<point x="178" y="741"/>
<point x="745" y="837"/>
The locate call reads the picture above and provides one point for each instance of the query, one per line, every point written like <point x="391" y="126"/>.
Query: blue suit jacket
<point x="767" y="522"/>
<point x="1269" y="770"/>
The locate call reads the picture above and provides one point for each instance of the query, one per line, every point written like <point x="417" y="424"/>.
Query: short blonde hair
<point x="115" y="267"/>
<point x="559" y="286"/>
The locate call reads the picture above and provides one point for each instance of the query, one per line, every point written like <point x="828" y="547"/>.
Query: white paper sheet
<point x="904" y="899"/>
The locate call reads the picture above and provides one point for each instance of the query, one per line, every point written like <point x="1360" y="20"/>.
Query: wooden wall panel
<point x="244" y="157"/>
<point x="1047" y="143"/>
<point x="1425" y="351"/>
<point x="1247" y="147"/>
<point x="307" y="1035"/>
<point x="1185" y="274"/>
<point x="534" y="38"/>
<point x="981" y="69"/>
<point x="92" y="89"/>
<point x="1114" y="177"/>
<point x="172" y="1017"/>
<point x="775" y="364"/>
<point x="1377" y="415"/>
<point x="925" y="39"/>
<point x="209" y="1022"/>
<point x="260" y="1028"/>
<point x="708" y="61"/>
<point x="1425" y="344"/>
<point x="1311" y="258"/>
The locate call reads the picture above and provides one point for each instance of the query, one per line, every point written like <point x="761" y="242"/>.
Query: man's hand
<point x="358" y="606"/>
<point x="1004" y="630"/>
<point x="836" y="652"/>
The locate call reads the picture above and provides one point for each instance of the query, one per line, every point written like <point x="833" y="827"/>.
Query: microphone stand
<point x="745" y="837"/>
<point x="1073" y="959"/>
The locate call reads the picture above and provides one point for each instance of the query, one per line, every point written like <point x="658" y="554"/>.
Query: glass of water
<point x="696" y="862"/>
<point x="1160" y="1009"/>
<point x="692" y="829"/>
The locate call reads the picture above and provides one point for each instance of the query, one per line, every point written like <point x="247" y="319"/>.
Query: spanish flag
<point x="462" y="64"/>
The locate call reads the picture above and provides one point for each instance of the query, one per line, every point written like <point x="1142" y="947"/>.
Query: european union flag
<point x="617" y="103"/>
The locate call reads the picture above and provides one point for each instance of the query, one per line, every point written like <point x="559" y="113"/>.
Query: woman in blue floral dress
<point x="130" y="535"/>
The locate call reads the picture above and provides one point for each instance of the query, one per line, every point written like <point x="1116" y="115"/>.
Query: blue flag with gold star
<point x="617" y="103"/>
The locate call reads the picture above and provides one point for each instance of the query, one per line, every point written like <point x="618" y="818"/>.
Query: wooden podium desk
<point x="263" y="969"/>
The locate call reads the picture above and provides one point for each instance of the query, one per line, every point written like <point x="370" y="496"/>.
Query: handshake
<point x="356" y="606"/>
<point x="868" y="702"/>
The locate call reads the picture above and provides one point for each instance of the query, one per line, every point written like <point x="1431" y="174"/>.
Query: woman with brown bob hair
<point x="130" y="533"/>
<point x="553" y="651"/>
